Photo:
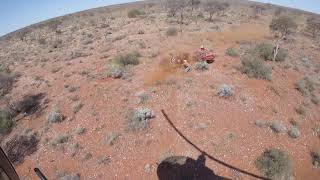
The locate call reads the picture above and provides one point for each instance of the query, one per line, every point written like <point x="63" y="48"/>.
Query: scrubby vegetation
<point x="232" y="52"/>
<point x="127" y="59"/>
<point x="6" y="122"/>
<point x="115" y="71"/>
<point x="306" y="86"/>
<point x="201" y="66"/>
<point x="274" y="164"/>
<point x="133" y="13"/>
<point x="6" y="80"/>
<point x="294" y="132"/>
<point x="55" y="117"/>
<point x="118" y="67"/>
<point x="226" y="90"/>
<point x="29" y="104"/>
<point x="265" y="51"/>
<point x="278" y="127"/>
<point x="139" y="119"/>
<point x="255" y="67"/>
<point x="172" y="31"/>
<point x="59" y="140"/>
<point x="316" y="159"/>
<point x="261" y="123"/>
<point x="62" y="57"/>
<point x="313" y="26"/>
<point x="21" y="145"/>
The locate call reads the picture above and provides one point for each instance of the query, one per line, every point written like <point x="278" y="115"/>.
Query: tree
<point x="257" y="10"/>
<point x="194" y="4"/>
<point x="213" y="7"/>
<point x="282" y="27"/>
<point x="176" y="6"/>
<point x="313" y="25"/>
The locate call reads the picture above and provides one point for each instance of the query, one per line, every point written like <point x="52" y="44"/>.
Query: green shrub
<point x="201" y="66"/>
<point x="255" y="67"/>
<point x="128" y="59"/>
<point x="6" y="81"/>
<point x="278" y="127"/>
<point x="172" y="31"/>
<point x="266" y="52"/>
<point x="274" y="164"/>
<point x="6" y="123"/>
<point x="261" y="123"/>
<point x="306" y="86"/>
<point x="133" y="13"/>
<point x="232" y="52"/>
<point x="294" y="132"/>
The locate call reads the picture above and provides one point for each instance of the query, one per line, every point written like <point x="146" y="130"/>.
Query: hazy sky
<point x="15" y="14"/>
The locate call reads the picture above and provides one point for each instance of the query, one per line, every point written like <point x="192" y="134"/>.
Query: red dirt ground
<point x="222" y="127"/>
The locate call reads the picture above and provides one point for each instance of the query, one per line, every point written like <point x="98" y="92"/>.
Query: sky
<point x="16" y="14"/>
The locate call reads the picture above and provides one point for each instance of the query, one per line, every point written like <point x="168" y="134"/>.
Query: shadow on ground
<point x="185" y="168"/>
<point x="169" y="166"/>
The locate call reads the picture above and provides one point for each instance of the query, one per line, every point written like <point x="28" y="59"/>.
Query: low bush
<point x="6" y="122"/>
<point x="278" y="127"/>
<point x="232" y="52"/>
<point x="274" y="164"/>
<point x="20" y="146"/>
<point x="226" y="90"/>
<point x="172" y="31"/>
<point x="55" y="117"/>
<point x="294" y="132"/>
<point x="127" y="59"/>
<point x="266" y="52"/>
<point x="6" y="80"/>
<point x="60" y="139"/>
<point x="306" y="86"/>
<point x="29" y="104"/>
<point x="133" y="13"/>
<point x="261" y="123"/>
<point x="115" y="71"/>
<point x="140" y="118"/>
<point x="255" y="67"/>
<point x="201" y="66"/>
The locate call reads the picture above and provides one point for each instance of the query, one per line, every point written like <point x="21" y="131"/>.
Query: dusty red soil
<point x="222" y="127"/>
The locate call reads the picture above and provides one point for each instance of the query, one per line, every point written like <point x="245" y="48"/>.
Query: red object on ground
<point x="204" y="55"/>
